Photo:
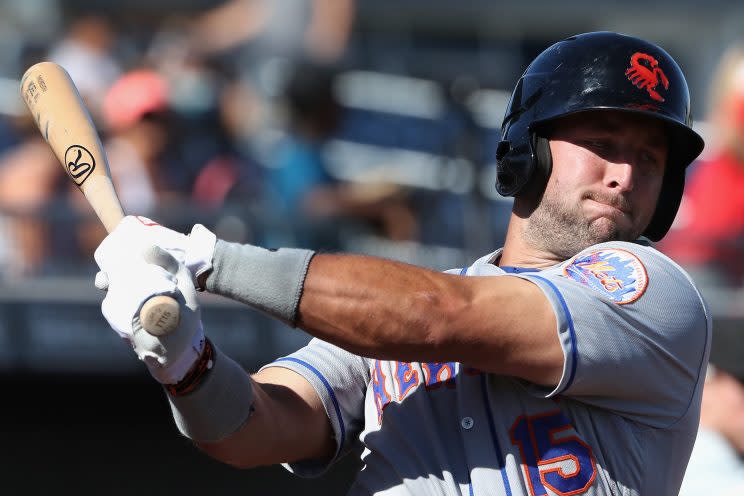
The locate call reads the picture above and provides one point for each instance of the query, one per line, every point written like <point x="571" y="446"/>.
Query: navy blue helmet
<point x="595" y="71"/>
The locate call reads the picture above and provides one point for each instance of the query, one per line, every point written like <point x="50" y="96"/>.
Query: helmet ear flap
<point x="667" y="205"/>
<point x="507" y="181"/>
<point x="543" y="157"/>
<point x="542" y="165"/>
<point x="536" y="163"/>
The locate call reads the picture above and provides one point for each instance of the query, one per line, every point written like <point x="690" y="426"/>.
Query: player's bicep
<point x="339" y="380"/>
<point x="295" y="410"/>
<point x="509" y="329"/>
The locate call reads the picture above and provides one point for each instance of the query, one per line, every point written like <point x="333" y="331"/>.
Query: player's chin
<point x="605" y="229"/>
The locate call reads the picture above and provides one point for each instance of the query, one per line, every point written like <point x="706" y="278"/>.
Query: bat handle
<point x="159" y="315"/>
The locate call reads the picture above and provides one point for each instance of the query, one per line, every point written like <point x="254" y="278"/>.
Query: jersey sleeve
<point x="634" y="329"/>
<point x="340" y="378"/>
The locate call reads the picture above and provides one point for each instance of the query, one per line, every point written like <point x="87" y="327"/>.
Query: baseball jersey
<point x="635" y="334"/>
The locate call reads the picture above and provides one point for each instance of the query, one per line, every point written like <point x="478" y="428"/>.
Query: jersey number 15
<point x="553" y="456"/>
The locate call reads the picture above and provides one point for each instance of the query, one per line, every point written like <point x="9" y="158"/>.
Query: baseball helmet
<point x="597" y="71"/>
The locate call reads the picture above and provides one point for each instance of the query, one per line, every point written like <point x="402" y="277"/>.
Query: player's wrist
<point x="268" y="280"/>
<point x="169" y="368"/>
<point x="195" y="374"/>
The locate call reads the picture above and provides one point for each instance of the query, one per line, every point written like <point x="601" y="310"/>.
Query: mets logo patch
<point x="617" y="274"/>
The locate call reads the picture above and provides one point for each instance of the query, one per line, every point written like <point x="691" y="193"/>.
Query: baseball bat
<point x="64" y="122"/>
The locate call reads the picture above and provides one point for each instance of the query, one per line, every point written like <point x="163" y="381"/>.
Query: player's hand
<point x="195" y="250"/>
<point x="131" y="279"/>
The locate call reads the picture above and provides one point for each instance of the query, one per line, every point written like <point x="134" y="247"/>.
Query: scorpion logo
<point x="647" y="75"/>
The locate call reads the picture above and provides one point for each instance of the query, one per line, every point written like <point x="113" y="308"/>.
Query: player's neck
<point x="518" y="252"/>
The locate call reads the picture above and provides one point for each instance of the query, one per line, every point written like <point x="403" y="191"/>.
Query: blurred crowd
<point x="708" y="234"/>
<point x="221" y="117"/>
<point x="236" y="116"/>
<point x="708" y="240"/>
<point x="228" y="117"/>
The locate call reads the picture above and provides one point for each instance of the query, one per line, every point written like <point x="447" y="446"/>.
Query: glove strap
<point x="193" y="377"/>
<point x="199" y="253"/>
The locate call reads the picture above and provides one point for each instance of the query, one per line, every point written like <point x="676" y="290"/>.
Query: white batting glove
<point x="133" y="278"/>
<point x="196" y="250"/>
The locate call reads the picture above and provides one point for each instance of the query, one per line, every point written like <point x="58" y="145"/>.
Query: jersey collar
<point x="493" y="258"/>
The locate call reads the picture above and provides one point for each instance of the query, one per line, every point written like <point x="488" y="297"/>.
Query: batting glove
<point x="195" y="250"/>
<point x="130" y="280"/>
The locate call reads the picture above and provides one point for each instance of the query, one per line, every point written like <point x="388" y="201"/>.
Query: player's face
<point x="608" y="168"/>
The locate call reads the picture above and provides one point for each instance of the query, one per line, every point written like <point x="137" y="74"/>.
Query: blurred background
<point x="338" y="125"/>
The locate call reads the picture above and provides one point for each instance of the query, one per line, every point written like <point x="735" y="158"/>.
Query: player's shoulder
<point x="608" y="267"/>
<point x="630" y="253"/>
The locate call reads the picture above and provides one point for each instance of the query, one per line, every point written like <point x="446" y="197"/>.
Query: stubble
<point x="558" y="225"/>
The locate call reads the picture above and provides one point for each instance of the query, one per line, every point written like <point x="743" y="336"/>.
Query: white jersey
<point x="635" y="334"/>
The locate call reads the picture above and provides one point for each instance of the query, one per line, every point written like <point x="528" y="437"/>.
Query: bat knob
<point x="159" y="315"/>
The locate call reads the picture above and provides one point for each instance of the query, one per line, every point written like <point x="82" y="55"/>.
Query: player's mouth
<point x="612" y="205"/>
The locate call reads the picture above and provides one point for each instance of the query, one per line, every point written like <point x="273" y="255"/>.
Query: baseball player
<point x="570" y="361"/>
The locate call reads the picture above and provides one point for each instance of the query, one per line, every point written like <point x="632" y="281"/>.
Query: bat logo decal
<point x="79" y="163"/>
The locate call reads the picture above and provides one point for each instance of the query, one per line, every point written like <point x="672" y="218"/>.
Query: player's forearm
<point x="367" y="305"/>
<point x="380" y="308"/>
<point x="287" y="424"/>
<point x="274" y="417"/>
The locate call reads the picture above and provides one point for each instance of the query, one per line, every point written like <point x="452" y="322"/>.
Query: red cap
<point x="132" y="96"/>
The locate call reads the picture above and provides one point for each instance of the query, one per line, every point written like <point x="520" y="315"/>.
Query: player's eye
<point x="650" y="158"/>
<point x="597" y="144"/>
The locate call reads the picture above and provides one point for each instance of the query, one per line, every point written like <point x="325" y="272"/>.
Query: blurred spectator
<point x="708" y="237"/>
<point x="211" y="158"/>
<point x="301" y="186"/>
<point x="27" y="27"/>
<point x="30" y="179"/>
<point x="85" y="52"/>
<point x="231" y="173"/>
<point x="716" y="466"/>
<point x="318" y="29"/>
<point x="264" y="37"/>
<point x="228" y="183"/>
<point x="135" y="113"/>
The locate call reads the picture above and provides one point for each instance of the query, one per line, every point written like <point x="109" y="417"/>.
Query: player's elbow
<point x="227" y="453"/>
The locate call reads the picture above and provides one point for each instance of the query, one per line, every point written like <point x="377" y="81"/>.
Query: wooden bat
<point x="65" y="123"/>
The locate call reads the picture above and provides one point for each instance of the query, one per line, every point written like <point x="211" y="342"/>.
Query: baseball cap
<point x="132" y="96"/>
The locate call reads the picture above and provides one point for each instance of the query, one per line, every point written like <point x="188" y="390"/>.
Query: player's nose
<point x="620" y="174"/>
